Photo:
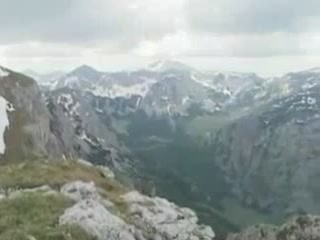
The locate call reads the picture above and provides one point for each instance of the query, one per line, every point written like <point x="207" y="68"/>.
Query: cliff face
<point x="271" y="156"/>
<point x="61" y="124"/>
<point x="27" y="132"/>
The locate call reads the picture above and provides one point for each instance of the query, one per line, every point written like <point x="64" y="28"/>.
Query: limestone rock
<point x="259" y="232"/>
<point x="107" y="172"/>
<point x="298" y="228"/>
<point x="96" y="220"/>
<point x="301" y="228"/>
<point x="145" y="217"/>
<point x="159" y="217"/>
<point x="79" y="190"/>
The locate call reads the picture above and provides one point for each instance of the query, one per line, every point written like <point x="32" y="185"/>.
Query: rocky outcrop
<point x="259" y="232"/>
<point x="78" y="191"/>
<point x="298" y="228"/>
<point x="302" y="228"/>
<point x="159" y="217"/>
<point x="141" y="217"/>
<point x="99" y="222"/>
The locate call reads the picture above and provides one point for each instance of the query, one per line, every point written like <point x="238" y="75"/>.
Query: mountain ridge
<point x="211" y="142"/>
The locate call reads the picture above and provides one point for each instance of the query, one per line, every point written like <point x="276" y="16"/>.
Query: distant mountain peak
<point x="168" y="65"/>
<point x="86" y="72"/>
<point x="85" y="69"/>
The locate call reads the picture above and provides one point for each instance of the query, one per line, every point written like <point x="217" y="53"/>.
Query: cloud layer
<point x="254" y="16"/>
<point x="159" y="28"/>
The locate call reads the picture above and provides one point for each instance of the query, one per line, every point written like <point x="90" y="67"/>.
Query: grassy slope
<point x="36" y="214"/>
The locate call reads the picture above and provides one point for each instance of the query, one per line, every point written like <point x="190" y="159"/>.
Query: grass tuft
<point x="36" y="216"/>
<point x="32" y="174"/>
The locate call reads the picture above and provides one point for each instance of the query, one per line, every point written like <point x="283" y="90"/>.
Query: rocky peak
<point x="86" y="72"/>
<point x="146" y="218"/>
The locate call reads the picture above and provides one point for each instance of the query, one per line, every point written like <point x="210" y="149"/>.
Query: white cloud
<point x="169" y="46"/>
<point x="65" y="33"/>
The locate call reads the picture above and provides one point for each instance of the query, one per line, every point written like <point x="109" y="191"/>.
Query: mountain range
<point x="231" y="146"/>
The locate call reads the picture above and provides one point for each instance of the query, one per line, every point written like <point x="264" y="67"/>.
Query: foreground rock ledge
<point x="145" y="217"/>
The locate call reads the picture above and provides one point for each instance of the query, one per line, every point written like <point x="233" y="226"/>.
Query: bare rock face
<point x="145" y="217"/>
<point x="298" y="228"/>
<point x="107" y="173"/>
<point x="301" y="228"/>
<point x="29" y="132"/>
<point x="259" y="232"/>
<point x="81" y="131"/>
<point x="159" y="217"/>
<point x="95" y="219"/>
<point x="78" y="191"/>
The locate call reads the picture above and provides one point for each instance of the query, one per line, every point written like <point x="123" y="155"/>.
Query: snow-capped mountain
<point x="82" y="77"/>
<point x="164" y="87"/>
<point x="60" y="123"/>
<point x="255" y="140"/>
<point x="276" y="143"/>
<point x="303" y="80"/>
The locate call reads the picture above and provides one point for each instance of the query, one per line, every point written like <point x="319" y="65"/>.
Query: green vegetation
<point x="244" y="216"/>
<point x="16" y="138"/>
<point x="199" y="126"/>
<point x="35" y="216"/>
<point x="184" y="171"/>
<point x="31" y="174"/>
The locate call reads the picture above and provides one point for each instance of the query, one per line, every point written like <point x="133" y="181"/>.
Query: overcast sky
<point x="265" y="36"/>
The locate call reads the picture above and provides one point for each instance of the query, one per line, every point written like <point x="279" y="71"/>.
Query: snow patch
<point x="67" y="101"/>
<point x="156" y="67"/>
<point x="72" y="81"/>
<point x="140" y="89"/>
<point x="4" y="121"/>
<point x="308" y="85"/>
<point x="210" y="106"/>
<point x="204" y="83"/>
<point x="209" y="84"/>
<point x="88" y="139"/>
<point x="186" y="100"/>
<point x="311" y="101"/>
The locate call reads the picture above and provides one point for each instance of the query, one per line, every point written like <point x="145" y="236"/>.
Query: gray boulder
<point x="159" y="217"/>
<point x="96" y="220"/>
<point x="298" y="228"/>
